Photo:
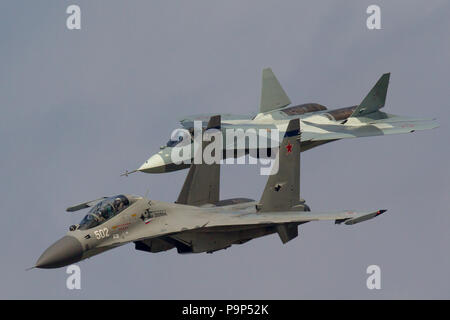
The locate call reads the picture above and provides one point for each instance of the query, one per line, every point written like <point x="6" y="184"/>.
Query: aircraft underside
<point x="207" y="240"/>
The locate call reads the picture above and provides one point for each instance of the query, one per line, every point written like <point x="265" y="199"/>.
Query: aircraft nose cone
<point x="63" y="252"/>
<point x="153" y="165"/>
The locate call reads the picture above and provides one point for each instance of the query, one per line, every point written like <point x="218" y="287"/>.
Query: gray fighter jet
<point x="319" y="125"/>
<point x="198" y="221"/>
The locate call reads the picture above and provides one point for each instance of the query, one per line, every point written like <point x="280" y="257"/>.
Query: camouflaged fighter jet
<point x="198" y="221"/>
<point x="319" y="125"/>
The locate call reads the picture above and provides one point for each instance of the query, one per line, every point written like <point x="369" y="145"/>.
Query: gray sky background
<point x="80" y="107"/>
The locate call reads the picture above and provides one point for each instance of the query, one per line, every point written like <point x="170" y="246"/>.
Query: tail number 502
<point x="102" y="233"/>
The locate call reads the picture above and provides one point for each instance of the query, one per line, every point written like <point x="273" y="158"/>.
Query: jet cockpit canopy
<point x="180" y="135"/>
<point x="103" y="211"/>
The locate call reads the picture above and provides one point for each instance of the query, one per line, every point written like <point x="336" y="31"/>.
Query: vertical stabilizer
<point x="202" y="184"/>
<point x="282" y="191"/>
<point x="375" y="99"/>
<point x="272" y="94"/>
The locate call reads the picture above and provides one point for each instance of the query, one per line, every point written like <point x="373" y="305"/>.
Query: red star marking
<point x="289" y="147"/>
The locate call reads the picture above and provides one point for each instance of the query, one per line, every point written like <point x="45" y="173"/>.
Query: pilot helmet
<point x="117" y="202"/>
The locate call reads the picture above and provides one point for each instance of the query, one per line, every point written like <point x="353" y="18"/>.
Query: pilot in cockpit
<point x="118" y="205"/>
<point x="105" y="213"/>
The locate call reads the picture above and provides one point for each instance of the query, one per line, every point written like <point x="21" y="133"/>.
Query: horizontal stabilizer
<point x="375" y="99"/>
<point x="272" y="94"/>
<point x="377" y="128"/>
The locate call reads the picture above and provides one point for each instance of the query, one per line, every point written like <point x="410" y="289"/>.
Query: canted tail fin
<point x="282" y="191"/>
<point x="375" y="99"/>
<point x="272" y="94"/>
<point x="202" y="184"/>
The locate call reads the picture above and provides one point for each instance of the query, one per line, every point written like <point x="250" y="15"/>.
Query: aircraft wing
<point x="197" y="221"/>
<point x="319" y="132"/>
<point x="267" y="218"/>
<point x="188" y="121"/>
<point x="284" y="222"/>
